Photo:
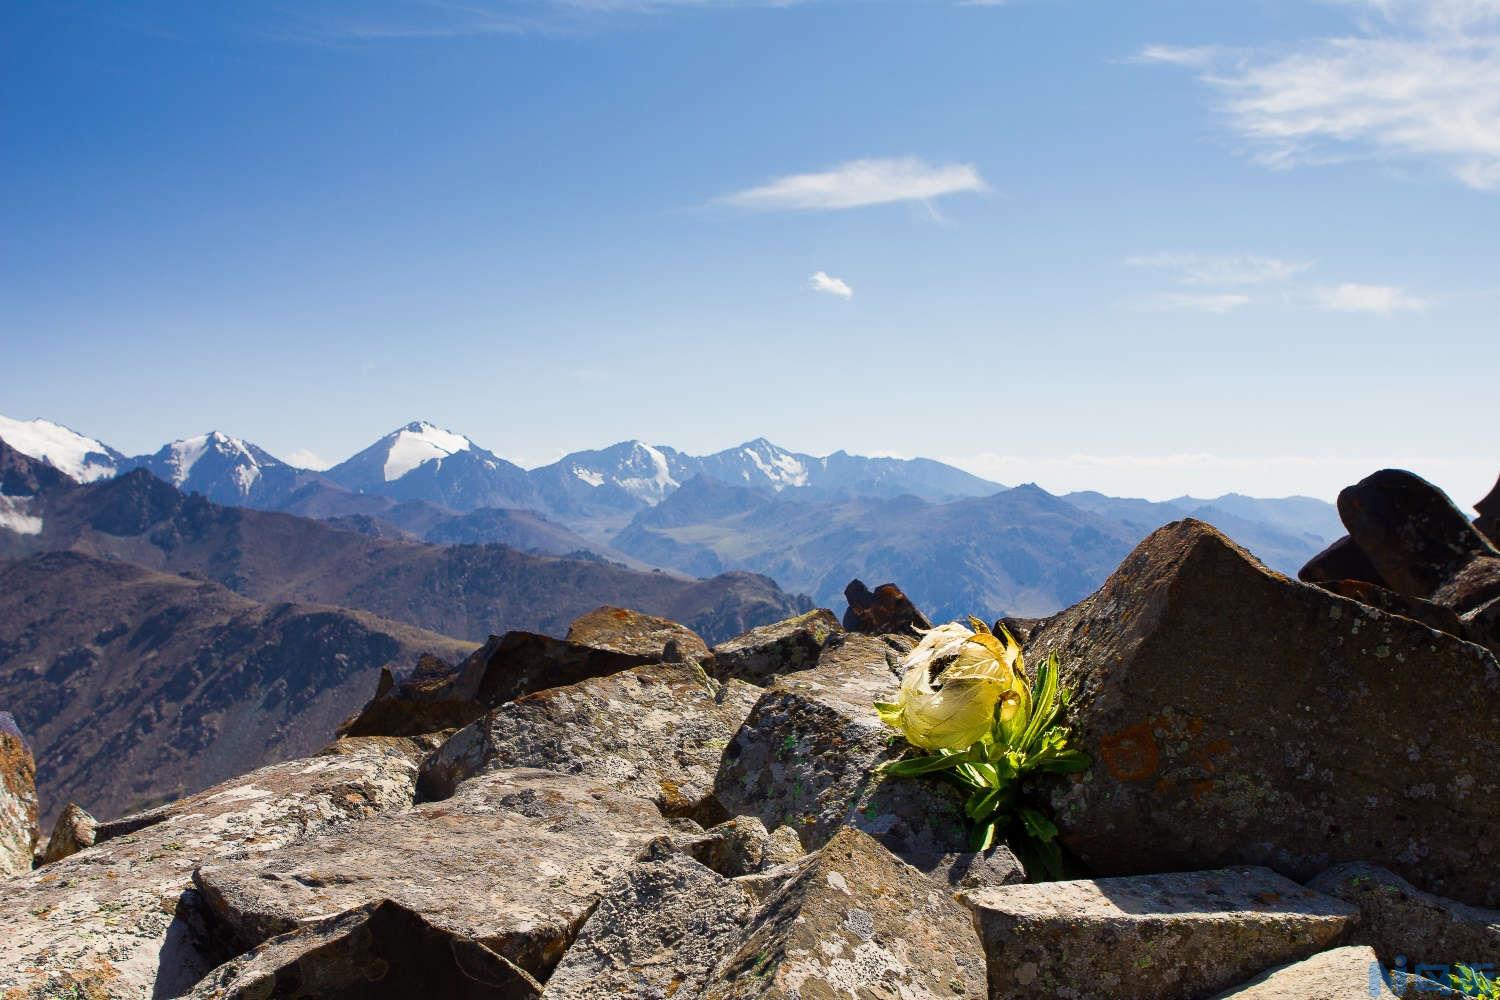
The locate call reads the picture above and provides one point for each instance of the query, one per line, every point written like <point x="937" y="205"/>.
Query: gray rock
<point x="1405" y="923"/>
<point x="635" y="634"/>
<point x="1238" y="717"/>
<point x="74" y="830"/>
<point x="855" y="922"/>
<point x="806" y="758"/>
<point x="515" y="860"/>
<point x="378" y="952"/>
<point x="656" y="731"/>
<point x="121" y="919"/>
<point x="765" y="653"/>
<point x="738" y="846"/>
<point x="18" y="805"/>
<point x="656" y="933"/>
<point x="1148" y="937"/>
<point x="1348" y="973"/>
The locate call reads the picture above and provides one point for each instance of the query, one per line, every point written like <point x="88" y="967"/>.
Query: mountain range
<point x="956" y="542"/>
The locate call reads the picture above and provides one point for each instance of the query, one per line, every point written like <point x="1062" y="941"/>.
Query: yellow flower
<point x="952" y="684"/>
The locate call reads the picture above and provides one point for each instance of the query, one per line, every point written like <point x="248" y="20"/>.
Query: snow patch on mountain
<point x="420" y="443"/>
<point x="658" y="481"/>
<point x="15" y="516"/>
<point x="595" y="479"/>
<point x="782" y="468"/>
<point x="80" y="457"/>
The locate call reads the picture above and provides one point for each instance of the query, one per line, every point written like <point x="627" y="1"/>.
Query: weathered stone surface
<point x="656" y="934"/>
<point x="1471" y="587"/>
<point x="738" y="846"/>
<point x="884" y="610"/>
<point x="806" y="758"/>
<point x="635" y="634"/>
<point x="18" y="806"/>
<point x="1402" y="922"/>
<point x="763" y="654"/>
<point x="1411" y="532"/>
<point x="515" y="860"/>
<point x="855" y="923"/>
<point x="378" y="952"/>
<point x="1348" y="973"/>
<point x="506" y="667"/>
<point x="1148" y="937"/>
<point x="428" y="701"/>
<point x="1343" y="560"/>
<point x="1424" y="611"/>
<point x="1483" y="625"/>
<point x="1488" y="522"/>
<point x="74" y="830"/>
<point x="1238" y="717"/>
<point x="656" y="731"/>
<point x="121" y="919"/>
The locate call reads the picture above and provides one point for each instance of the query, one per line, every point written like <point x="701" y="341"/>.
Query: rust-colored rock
<point x="18" y="806"/>
<point x="74" y="830"/>
<point x="1238" y="717"/>
<point x="635" y="634"/>
<point x="884" y="610"/>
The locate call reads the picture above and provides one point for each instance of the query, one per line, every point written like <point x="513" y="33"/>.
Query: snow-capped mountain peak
<point x="778" y="467"/>
<point x="82" y="458"/>
<point x="417" y="444"/>
<point x="221" y="467"/>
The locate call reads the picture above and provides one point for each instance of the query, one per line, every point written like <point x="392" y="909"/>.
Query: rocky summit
<point x="1294" y="793"/>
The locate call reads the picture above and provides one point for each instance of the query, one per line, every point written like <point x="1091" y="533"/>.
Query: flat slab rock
<point x="806" y="758"/>
<point x="120" y="919"/>
<point x="1348" y="973"/>
<point x="656" y="731"/>
<point x="1238" y="717"/>
<point x="656" y="934"/>
<point x="379" y="952"/>
<point x="516" y="860"/>
<point x="765" y="653"/>
<point x="1402" y="922"/>
<point x="1149" y="937"/>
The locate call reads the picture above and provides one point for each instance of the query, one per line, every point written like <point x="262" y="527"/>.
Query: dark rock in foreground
<point x="18" y="805"/>
<point x="1238" y="717"/>
<point x="885" y="610"/>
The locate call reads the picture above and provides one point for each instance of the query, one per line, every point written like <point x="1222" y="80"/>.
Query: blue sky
<point x="1149" y="248"/>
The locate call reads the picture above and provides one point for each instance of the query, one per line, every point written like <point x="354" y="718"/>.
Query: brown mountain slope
<point x="136" y="686"/>
<point x="469" y="591"/>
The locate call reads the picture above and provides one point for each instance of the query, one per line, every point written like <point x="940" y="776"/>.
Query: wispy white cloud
<point x="1353" y="297"/>
<point x="826" y="283"/>
<point x="1223" y="283"/>
<point x="1232" y="269"/>
<point x="1413" y="81"/>
<point x="858" y="183"/>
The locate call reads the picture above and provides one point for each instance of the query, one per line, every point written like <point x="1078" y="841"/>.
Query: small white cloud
<point x="1231" y="270"/>
<point x="858" y="183"/>
<point x="822" y="282"/>
<point x="1353" y="297"/>
<point x="302" y="458"/>
<point x="1218" y="303"/>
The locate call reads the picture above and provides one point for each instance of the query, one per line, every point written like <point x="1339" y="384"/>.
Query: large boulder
<point x="1488" y="522"/>
<point x="807" y="758"/>
<point x="1342" y="560"/>
<point x="1151" y="937"/>
<point x="122" y="920"/>
<point x="437" y="697"/>
<point x="74" y="830"/>
<point x="1348" y="973"/>
<point x="1238" y="717"/>
<point x="656" y="731"/>
<point x="378" y="952"/>
<point x="18" y="805"/>
<point x="515" y="860"/>
<point x="765" y="653"/>
<point x="635" y="634"/>
<point x="657" y="933"/>
<point x="1420" y="543"/>
<point x="1409" y="926"/>
<point x="855" y="922"/>
<point x="881" y="611"/>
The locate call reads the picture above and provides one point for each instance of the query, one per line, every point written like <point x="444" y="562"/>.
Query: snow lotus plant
<point x="966" y="699"/>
